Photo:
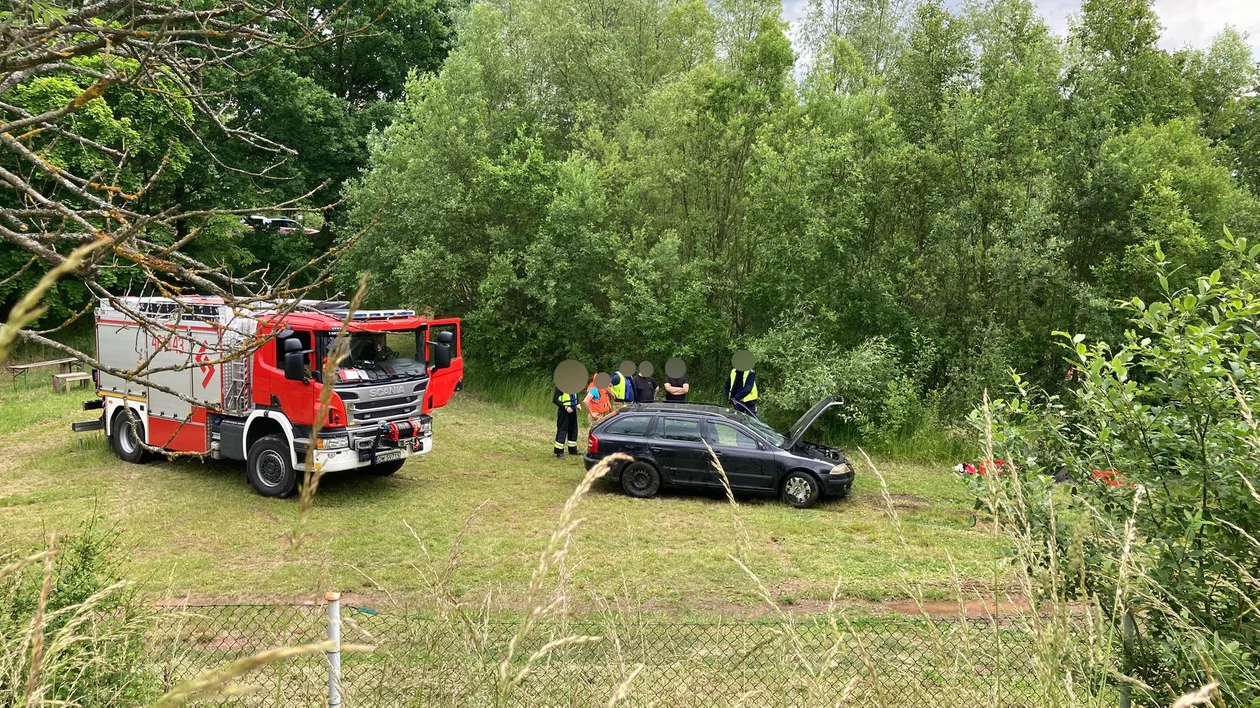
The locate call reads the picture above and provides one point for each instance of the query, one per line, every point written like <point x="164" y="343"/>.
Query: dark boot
<point x="574" y="451"/>
<point x="559" y="453"/>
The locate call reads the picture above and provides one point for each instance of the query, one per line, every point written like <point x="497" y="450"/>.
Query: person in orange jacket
<point x="598" y="400"/>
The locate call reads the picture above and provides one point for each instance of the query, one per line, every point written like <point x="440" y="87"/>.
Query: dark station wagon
<point x="667" y="444"/>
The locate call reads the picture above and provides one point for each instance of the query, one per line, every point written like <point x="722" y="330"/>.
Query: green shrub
<point x="1159" y="437"/>
<point x="881" y="399"/>
<point x="91" y="628"/>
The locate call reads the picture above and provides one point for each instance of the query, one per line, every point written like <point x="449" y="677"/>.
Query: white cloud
<point x="1186" y="22"/>
<point x="1197" y="22"/>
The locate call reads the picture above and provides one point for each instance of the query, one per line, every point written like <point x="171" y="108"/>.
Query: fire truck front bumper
<point x="340" y="460"/>
<point x="367" y="447"/>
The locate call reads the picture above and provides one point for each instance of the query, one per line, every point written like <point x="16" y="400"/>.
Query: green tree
<point x="1160" y="440"/>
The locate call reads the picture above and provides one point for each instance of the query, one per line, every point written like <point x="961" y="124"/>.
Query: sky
<point x="1186" y="22"/>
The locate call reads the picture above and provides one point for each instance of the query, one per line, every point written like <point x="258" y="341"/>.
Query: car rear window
<point x="632" y="425"/>
<point x="682" y="429"/>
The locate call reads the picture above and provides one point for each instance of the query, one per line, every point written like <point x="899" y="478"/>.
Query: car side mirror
<point x="292" y="344"/>
<point x="446" y="337"/>
<point x="441" y="355"/>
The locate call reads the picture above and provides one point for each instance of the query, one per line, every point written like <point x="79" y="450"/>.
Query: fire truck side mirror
<point x="441" y="355"/>
<point x="294" y="360"/>
<point x="446" y="337"/>
<point x="294" y="366"/>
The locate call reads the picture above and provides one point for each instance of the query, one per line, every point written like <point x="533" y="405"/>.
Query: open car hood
<point x="800" y="426"/>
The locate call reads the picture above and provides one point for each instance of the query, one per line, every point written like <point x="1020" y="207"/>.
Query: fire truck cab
<point x="228" y="383"/>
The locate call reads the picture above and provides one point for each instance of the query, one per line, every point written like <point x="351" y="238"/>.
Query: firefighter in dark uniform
<point x="570" y="378"/>
<point x="741" y="384"/>
<point x="566" y="421"/>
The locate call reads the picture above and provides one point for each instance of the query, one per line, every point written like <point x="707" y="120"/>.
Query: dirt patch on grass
<point x="979" y="608"/>
<point x="900" y="502"/>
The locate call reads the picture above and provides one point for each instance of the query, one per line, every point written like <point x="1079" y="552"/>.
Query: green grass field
<point x="197" y="529"/>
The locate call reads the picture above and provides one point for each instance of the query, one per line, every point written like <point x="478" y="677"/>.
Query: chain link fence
<point x="419" y="661"/>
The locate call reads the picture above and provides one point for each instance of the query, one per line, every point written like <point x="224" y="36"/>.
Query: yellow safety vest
<point x="619" y="389"/>
<point x="752" y="395"/>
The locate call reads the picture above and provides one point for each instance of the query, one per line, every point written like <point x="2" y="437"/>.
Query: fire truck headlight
<point x="333" y="443"/>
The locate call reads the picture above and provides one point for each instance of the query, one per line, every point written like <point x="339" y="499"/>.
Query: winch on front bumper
<point x="405" y="436"/>
<point x="373" y="445"/>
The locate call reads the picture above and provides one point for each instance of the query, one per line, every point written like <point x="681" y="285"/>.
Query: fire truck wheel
<point x="269" y="467"/>
<point x="125" y="437"/>
<point x="385" y="469"/>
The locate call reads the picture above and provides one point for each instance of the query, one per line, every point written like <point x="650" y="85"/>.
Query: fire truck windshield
<point x="377" y="356"/>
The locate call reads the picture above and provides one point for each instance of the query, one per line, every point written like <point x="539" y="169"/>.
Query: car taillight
<point x="592" y="445"/>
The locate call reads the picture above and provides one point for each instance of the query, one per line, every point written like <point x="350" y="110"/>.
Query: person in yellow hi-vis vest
<point x="569" y="378"/>
<point x="622" y="383"/>
<point x="741" y="385"/>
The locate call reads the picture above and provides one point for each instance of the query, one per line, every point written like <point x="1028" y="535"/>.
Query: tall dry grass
<point x="68" y="637"/>
<point x="1074" y="658"/>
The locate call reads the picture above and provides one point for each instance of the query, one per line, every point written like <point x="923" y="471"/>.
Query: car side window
<point x="633" y="426"/>
<point x="723" y="435"/>
<point x="681" y="429"/>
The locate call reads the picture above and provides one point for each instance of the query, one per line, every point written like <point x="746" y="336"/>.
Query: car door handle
<point x="717" y="453"/>
<point x="656" y="448"/>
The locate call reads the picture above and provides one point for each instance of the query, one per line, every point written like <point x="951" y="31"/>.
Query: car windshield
<point x="771" y="435"/>
<point x="377" y="356"/>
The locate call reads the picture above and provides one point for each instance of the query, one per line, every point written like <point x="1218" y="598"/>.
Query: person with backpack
<point x="621" y="384"/>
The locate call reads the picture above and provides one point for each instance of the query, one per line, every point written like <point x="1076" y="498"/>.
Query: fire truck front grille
<point x="371" y="410"/>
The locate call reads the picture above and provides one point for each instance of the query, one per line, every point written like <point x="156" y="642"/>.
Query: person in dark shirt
<point x="644" y="385"/>
<point x="676" y="386"/>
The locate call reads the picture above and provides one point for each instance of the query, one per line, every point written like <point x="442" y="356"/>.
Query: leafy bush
<point x="881" y="399"/>
<point x="1160" y="440"/>
<point x="71" y="632"/>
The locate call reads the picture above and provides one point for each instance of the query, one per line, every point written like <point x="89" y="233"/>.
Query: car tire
<point x="640" y="480"/>
<point x="385" y="469"/>
<point x="800" y="489"/>
<point x="125" y="436"/>
<point x="269" y="467"/>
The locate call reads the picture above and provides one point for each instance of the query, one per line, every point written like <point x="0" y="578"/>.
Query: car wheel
<point x="269" y="467"/>
<point x="385" y="469"/>
<point x="125" y="438"/>
<point x="641" y="480"/>
<point x="800" y="490"/>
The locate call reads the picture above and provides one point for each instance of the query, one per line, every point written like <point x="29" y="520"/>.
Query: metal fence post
<point x="334" y="651"/>
<point x="1127" y="630"/>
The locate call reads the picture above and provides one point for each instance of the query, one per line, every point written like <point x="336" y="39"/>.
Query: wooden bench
<point x="66" y="366"/>
<point x="62" y="382"/>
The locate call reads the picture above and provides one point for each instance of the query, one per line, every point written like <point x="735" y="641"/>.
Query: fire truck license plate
<point x="388" y="456"/>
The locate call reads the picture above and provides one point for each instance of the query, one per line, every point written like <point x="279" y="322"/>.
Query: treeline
<point x="310" y="110"/>
<point x="903" y="220"/>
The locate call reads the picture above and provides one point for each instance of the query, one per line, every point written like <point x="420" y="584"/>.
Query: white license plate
<point x="389" y="456"/>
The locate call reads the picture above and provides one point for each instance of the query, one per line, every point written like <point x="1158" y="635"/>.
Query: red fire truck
<point x="255" y="378"/>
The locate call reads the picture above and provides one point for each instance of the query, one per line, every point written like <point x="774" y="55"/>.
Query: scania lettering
<point x="249" y="384"/>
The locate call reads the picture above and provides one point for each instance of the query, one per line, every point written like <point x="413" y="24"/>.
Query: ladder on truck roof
<point x="213" y="308"/>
